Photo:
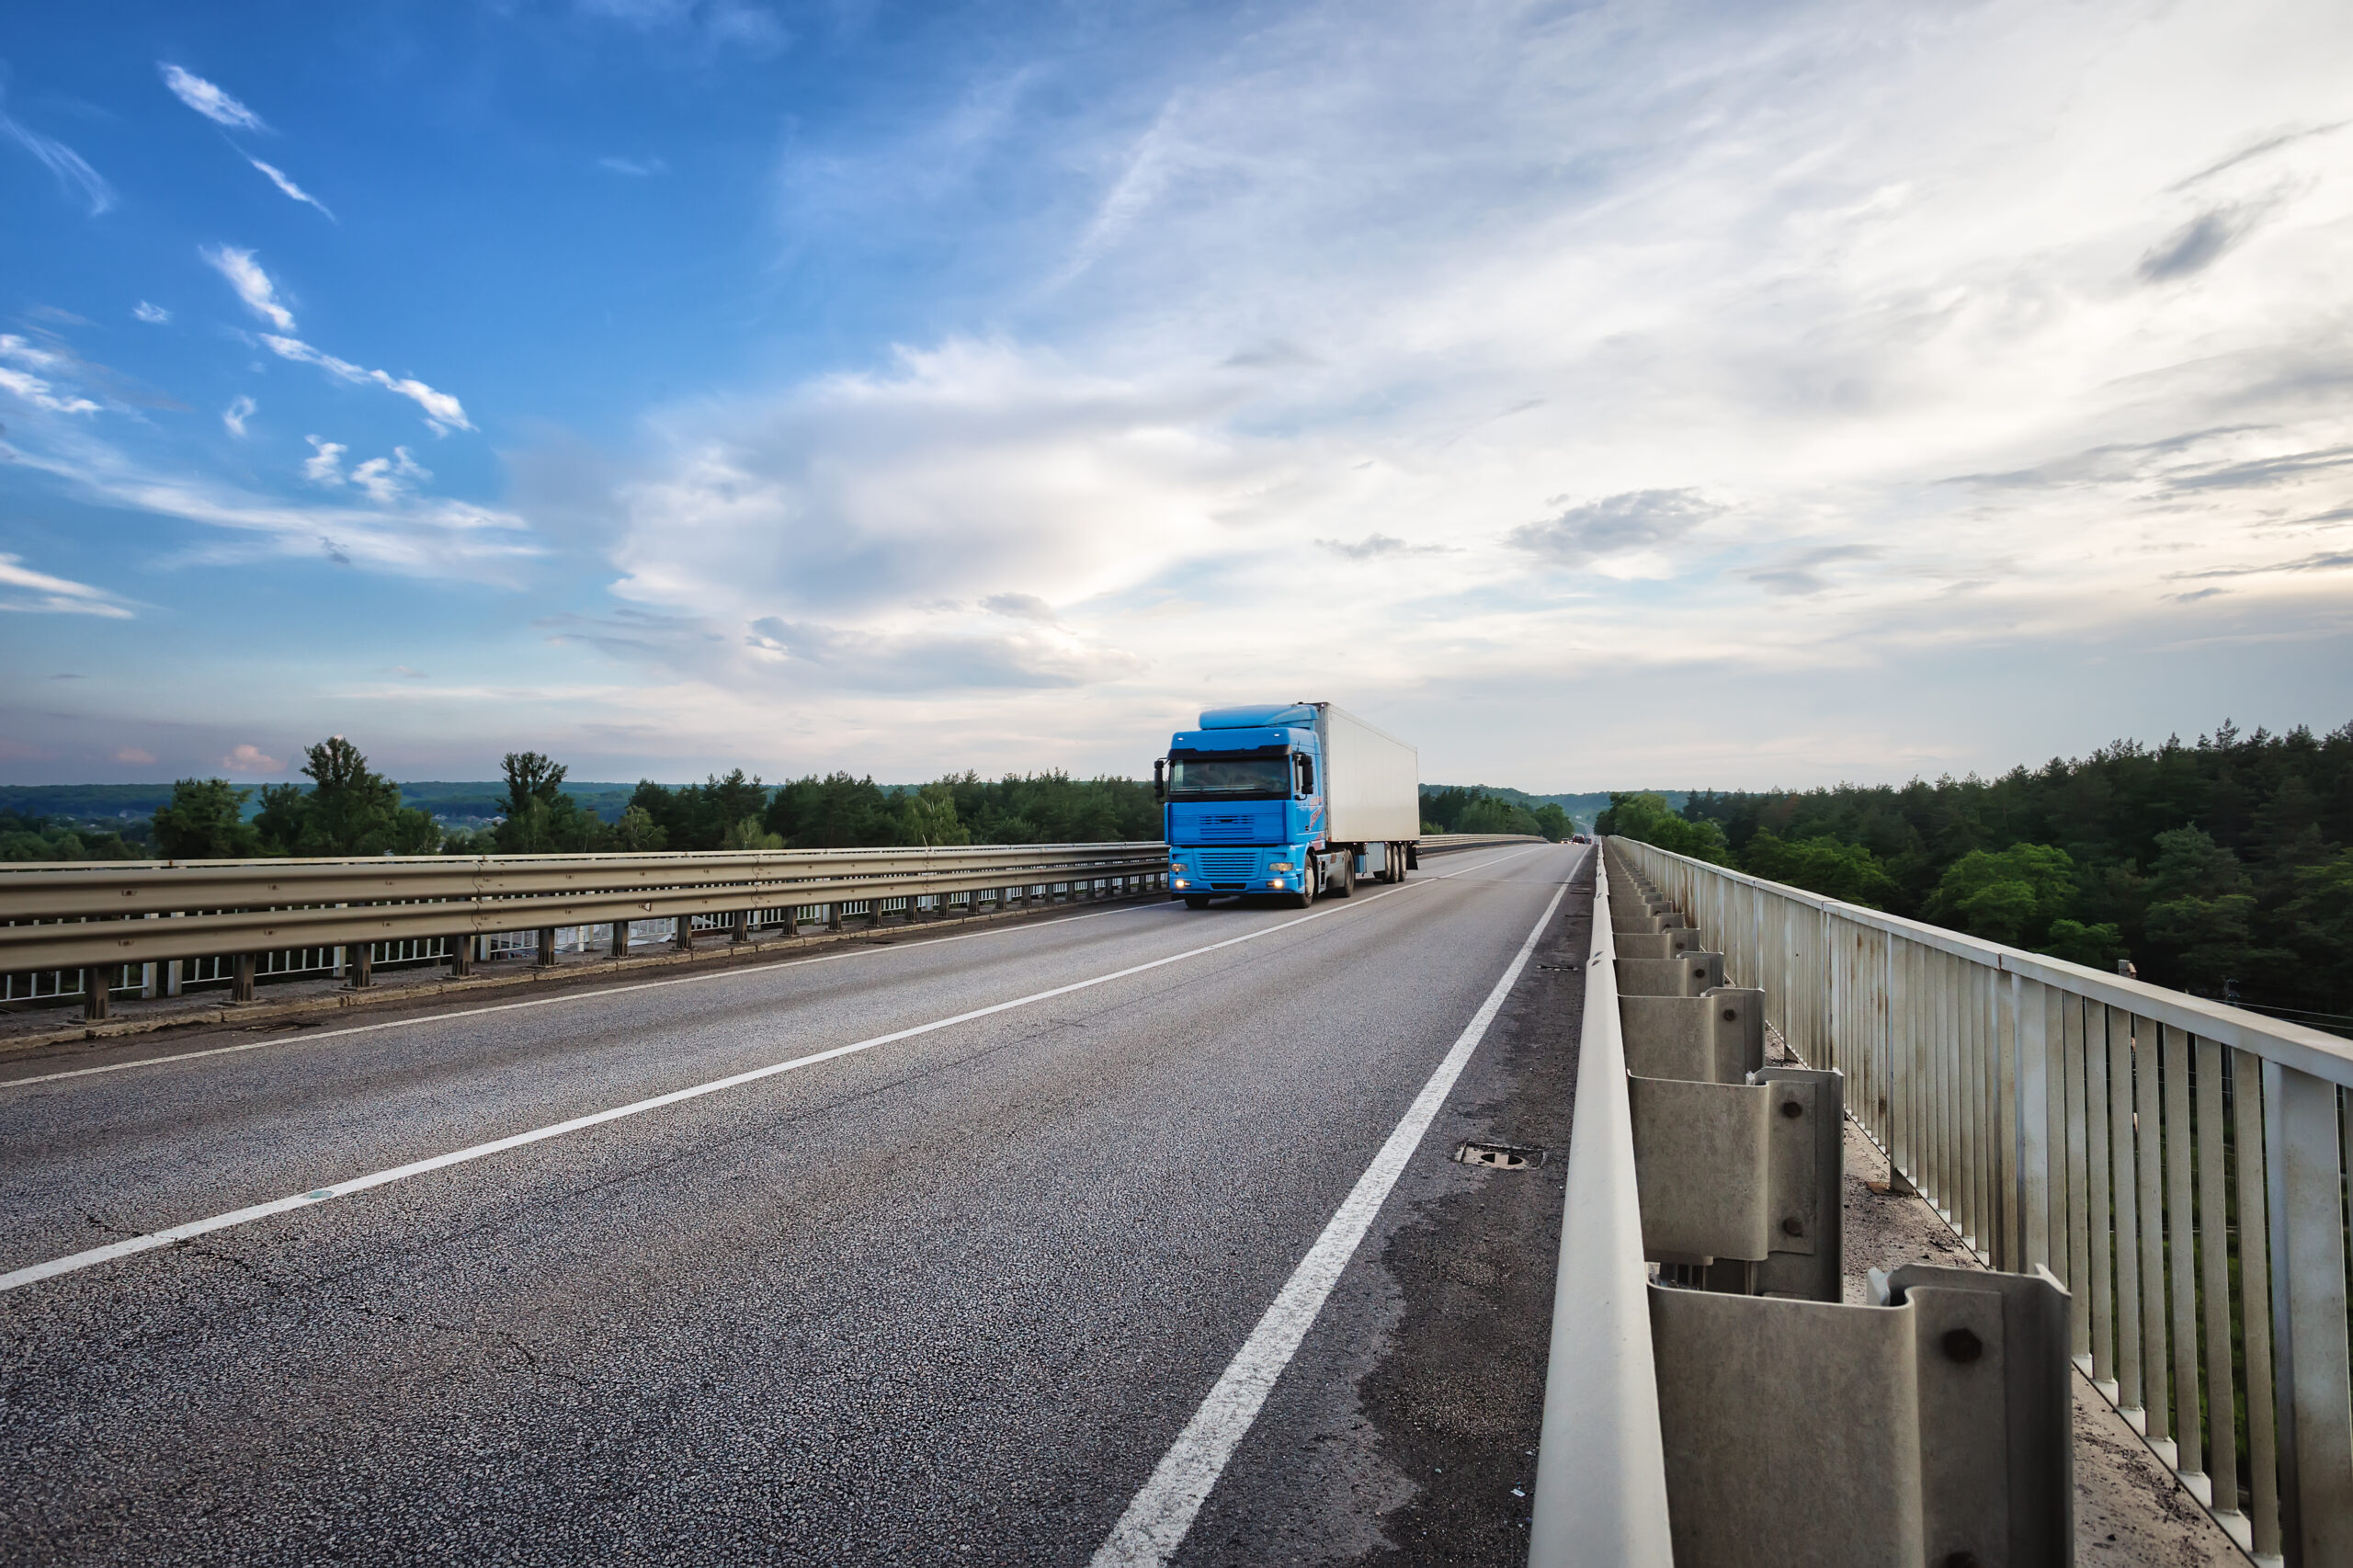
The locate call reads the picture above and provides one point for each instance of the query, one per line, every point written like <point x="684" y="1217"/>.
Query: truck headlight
<point x="1280" y="866"/>
<point x="1178" y="882"/>
<point x="1176" y="869"/>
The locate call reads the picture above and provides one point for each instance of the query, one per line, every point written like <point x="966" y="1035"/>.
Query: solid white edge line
<point x="602" y="991"/>
<point x="73" y="1262"/>
<point x="1158" y="1519"/>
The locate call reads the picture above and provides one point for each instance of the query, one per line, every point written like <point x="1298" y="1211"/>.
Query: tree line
<point x="1460" y="809"/>
<point x="350" y="808"/>
<point x="2223" y="867"/>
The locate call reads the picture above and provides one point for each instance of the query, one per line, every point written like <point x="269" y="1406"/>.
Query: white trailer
<point x="1372" y="788"/>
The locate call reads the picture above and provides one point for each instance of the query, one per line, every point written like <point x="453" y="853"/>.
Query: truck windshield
<point x="1229" y="776"/>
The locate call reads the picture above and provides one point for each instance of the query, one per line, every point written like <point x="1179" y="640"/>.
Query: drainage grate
<point x="1499" y="1156"/>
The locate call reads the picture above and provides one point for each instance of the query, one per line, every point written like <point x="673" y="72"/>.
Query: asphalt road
<point x="948" y="1296"/>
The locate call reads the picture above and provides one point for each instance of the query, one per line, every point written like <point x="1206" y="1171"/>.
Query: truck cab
<point x="1246" y="799"/>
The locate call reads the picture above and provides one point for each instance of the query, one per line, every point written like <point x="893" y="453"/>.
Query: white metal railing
<point x="2180" y="1164"/>
<point x="1600" y="1469"/>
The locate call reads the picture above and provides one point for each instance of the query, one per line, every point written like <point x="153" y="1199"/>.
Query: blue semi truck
<point x="1287" y="800"/>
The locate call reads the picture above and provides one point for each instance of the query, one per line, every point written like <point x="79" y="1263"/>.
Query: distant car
<point x="1579" y="839"/>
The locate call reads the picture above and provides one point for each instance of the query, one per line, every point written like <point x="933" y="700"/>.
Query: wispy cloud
<point x="278" y="177"/>
<point x="640" y="168"/>
<point x="2197" y="245"/>
<point x="443" y="412"/>
<point x="1637" y="521"/>
<point x="233" y="417"/>
<point x="154" y="315"/>
<point x="1373" y="546"/>
<point x="18" y="361"/>
<point x="26" y="590"/>
<point x="253" y="285"/>
<point x="73" y="174"/>
<point x="384" y="480"/>
<point x="208" y="100"/>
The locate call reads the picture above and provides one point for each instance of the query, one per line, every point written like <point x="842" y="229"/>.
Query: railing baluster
<point x="2107" y="1216"/>
<point x="2255" y="1298"/>
<point x="2181" y="1251"/>
<point x="2147" y="1155"/>
<point x="2214" y="1283"/>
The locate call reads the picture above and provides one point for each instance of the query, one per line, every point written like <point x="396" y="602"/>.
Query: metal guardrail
<point x="1439" y="842"/>
<point x="81" y="915"/>
<point x="2180" y="1166"/>
<point x="1600" y="1470"/>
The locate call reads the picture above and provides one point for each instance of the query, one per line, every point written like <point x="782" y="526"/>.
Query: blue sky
<point x="1595" y="394"/>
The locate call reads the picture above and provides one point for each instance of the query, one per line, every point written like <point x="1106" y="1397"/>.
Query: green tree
<point x="204" y="820"/>
<point x="1822" y="864"/>
<point x="531" y="777"/>
<point x="930" y="816"/>
<point x="1645" y="819"/>
<point x="1552" y="822"/>
<point x="349" y="810"/>
<point x="2011" y="895"/>
<point x="749" y="835"/>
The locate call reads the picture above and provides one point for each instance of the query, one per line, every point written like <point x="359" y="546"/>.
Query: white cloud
<point x="1790" y="343"/>
<point x="443" y="412"/>
<point x="279" y="177"/>
<point x="26" y="590"/>
<point x="639" y="168"/>
<point x="411" y="535"/>
<point x="154" y="315"/>
<point x="208" y="100"/>
<point x="235" y="416"/>
<point x="246" y="759"/>
<point x="253" y="285"/>
<point x="17" y="377"/>
<point x="325" y="465"/>
<point x="73" y="174"/>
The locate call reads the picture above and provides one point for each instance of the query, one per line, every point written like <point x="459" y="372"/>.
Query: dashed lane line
<point x="603" y="991"/>
<point x="33" y="1273"/>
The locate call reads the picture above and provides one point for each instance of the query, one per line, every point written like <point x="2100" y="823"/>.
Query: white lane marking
<point x="1157" y="1522"/>
<point x="601" y="991"/>
<point x="32" y="1273"/>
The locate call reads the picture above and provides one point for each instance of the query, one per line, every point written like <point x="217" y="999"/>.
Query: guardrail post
<point x="546" y="957"/>
<point x="741" y="930"/>
<point x="1935" y="1427"/>
<point x="242" y="988"/>
<point x="94" y="996"/>
<point x="359" y="964"/>
<point x="620" y="939"/>
<point x="461" y="955"/>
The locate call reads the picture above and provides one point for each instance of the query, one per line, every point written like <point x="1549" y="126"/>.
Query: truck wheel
<point x="1347" y="876"/>
<point x="1192" y="901"/>
<point x="1307" y="880"/>
<point x="1395" y="870"/>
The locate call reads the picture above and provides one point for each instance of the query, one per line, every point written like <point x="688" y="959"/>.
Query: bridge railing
<point x="2180" y="1164"/>
<point x="102" y="923"/>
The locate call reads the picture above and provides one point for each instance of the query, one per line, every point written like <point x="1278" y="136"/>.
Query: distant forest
<point x="2223" y="867"/>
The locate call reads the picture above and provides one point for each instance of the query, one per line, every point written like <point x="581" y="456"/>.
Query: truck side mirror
<point x="1160" y="778"/>
<point x="1306" y="774"/>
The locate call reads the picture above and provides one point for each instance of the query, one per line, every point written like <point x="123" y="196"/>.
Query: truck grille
<point x="1258" y="826"/>
<point x="1217" y="866"/>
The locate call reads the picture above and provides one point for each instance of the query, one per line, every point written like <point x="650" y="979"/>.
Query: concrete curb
<point x="719" y="953"/>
